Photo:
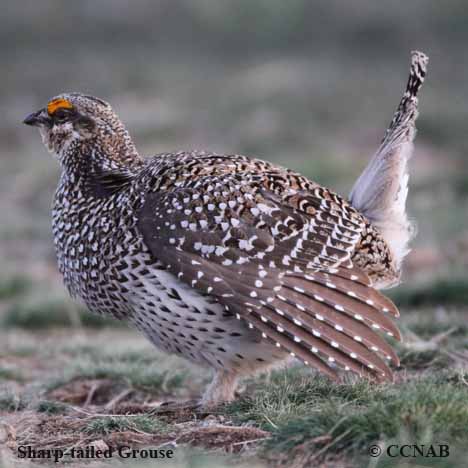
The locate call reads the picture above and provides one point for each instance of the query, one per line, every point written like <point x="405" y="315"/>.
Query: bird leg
<point x="221" y="389"/>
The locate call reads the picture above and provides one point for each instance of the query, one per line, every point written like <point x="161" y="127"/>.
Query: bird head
<point x="75" y="125"/>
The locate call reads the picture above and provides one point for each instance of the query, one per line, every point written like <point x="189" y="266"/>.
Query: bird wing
<point x="280" y="259"/>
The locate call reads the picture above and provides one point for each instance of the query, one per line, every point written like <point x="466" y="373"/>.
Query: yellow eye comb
<point x="59" y="103"/>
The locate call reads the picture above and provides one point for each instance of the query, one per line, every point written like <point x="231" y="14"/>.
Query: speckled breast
<point x="91" y="237"/>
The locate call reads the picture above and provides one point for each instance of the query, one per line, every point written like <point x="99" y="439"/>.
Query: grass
<point x="136" y="373"/>
<point x="51" y="407"/>
<point x="11" y="401"/>
<point x="446" y="291"/>
<point x="433" y="339"/>
<point x="431" y="358"/>
<point x="427" y="323"/>
<point x="108" y="424"/>
<point x="51" y="313"/>
<point x="13" y="286"/>
<point x="347" y="418"/>
<point x="291" y="416"/>
<point x="10" y="374"/>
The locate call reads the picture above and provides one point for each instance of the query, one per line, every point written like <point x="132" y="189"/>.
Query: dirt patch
<point x="117" y="397"/>
<point x="180" y="428"/>
<point x="229" y="438"/>
<point x="85" y="392"/>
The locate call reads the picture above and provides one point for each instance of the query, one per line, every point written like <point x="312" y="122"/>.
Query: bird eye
<point x="60" y="115"/>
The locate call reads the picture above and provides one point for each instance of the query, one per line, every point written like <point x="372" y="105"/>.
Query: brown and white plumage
<point x="231" y="262"/>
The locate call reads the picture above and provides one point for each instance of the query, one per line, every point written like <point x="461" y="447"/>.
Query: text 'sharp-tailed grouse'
<point x="231" y="262"/>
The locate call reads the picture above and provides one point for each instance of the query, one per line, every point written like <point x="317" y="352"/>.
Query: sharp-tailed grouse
<point x="233" y="263"/>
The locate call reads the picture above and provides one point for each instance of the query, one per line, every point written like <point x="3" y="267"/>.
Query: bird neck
<point x="100" y="170"/>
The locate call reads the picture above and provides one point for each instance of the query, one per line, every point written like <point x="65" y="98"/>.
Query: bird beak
<point x="38" y="119"/>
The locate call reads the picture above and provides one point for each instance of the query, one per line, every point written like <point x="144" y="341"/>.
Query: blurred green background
<point x="310" y="85"/>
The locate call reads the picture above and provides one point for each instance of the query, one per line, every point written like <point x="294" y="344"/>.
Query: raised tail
<point x="381" y="190"/>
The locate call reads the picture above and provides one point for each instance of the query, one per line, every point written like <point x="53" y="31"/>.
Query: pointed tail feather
<point x="381" y="190"/>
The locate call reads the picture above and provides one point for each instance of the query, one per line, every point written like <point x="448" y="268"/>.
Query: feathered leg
<point x="221" y="390"/>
